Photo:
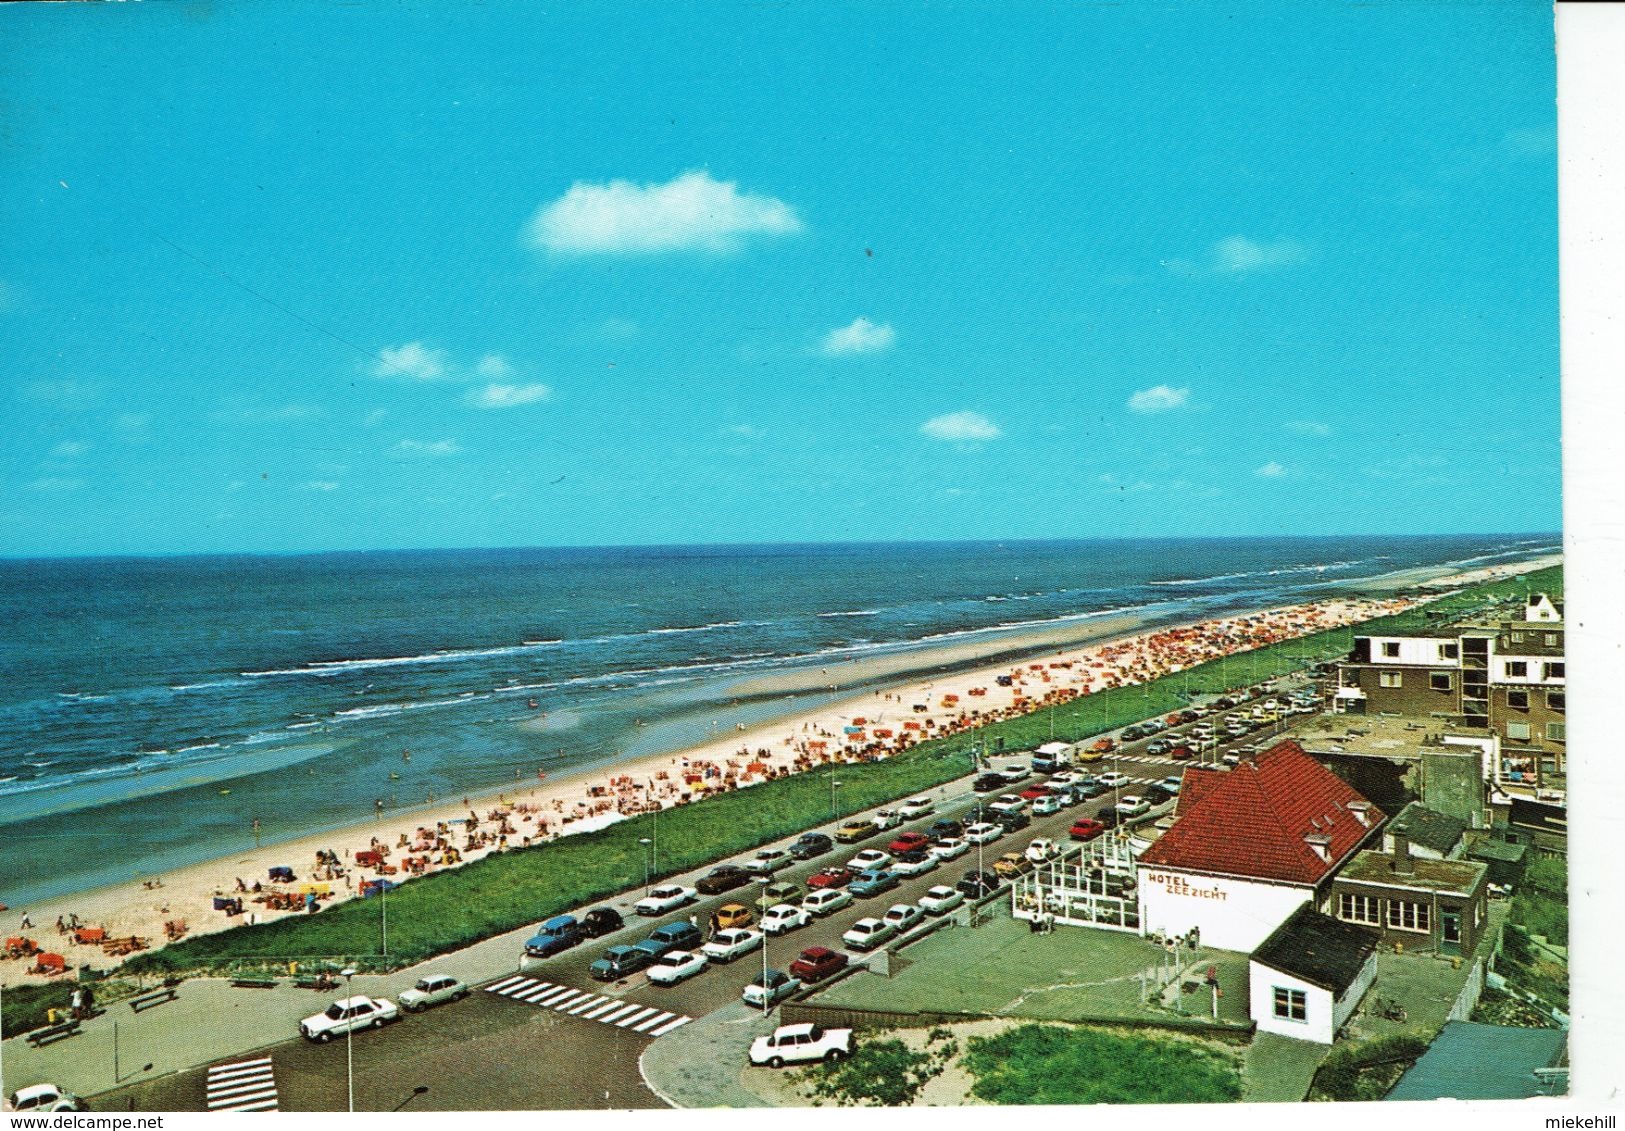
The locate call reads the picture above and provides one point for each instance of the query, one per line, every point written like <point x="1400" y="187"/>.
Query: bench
<point x="53" y="1033"/>
<point x="254" y="982"/>
<point x="152" y="998"/>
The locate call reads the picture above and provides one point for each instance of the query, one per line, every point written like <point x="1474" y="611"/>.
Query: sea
<point x="155" y="712"/>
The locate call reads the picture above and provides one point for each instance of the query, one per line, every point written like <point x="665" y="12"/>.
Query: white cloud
<point x="508" y="396"/>
<point x="962" y="426"/>
<point x="431" y="448"/>
<point x="1239" y="254"/>
<point x="691" y="213"/>
<point x="319" y="485"/>
<point x="862" y="336"/>
<point x="1308" y="428"/>
<point x="1271" y="470"/>
<point x="1158" y="398"/>
<point x="494" y="367"/>
<point x="68" y="449"/>
<point x="414" y="361"/>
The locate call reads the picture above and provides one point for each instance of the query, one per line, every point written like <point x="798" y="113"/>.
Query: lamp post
<point x="349" y="1040"/>
<point x="767" y="1000"/>
<point x="648" y="861"/>
<point x="834" y="812"/>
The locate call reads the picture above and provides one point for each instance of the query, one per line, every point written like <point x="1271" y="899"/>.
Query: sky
<point x="309" y="276"/>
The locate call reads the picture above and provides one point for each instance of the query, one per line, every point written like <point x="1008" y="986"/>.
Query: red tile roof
<point x="1253" y="820"/>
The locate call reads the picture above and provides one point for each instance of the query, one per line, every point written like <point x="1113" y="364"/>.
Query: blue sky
<point x="320" y="276"/>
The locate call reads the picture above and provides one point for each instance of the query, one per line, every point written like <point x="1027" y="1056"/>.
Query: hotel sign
<point x="1181" y="885"/>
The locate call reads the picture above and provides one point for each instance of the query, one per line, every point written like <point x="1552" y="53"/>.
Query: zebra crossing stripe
<point x="649" y="1011"/>
<point x="670" y="1025"/>
<point x="523" y="986"/>
<point x="262" y="1105"/>
<point x="615" y="1013"/>
<point x="241" y="1064"/>
<point x="581" y="1007"/>
<point x="548" y="997"/>
<point x="505" y="983"/>
<point x="231" y="1102"/>
<point x="570" y="999"/>
<point x="238" y="1087"/>
<point x="645" y="1026"/>
<point x="535" y="994"/>
<point x="247" y="1085"/>
<point x="609" y="1004"/>
<point x="216" y="1077"/>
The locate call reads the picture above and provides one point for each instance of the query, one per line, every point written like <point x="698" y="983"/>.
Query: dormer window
<point x="1321" y="844"/>
<point x="1390" y="649"/>
<point x="1362" y="813"/>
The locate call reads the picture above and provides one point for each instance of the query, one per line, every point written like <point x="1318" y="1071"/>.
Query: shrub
<point x="1053" y="1064"/>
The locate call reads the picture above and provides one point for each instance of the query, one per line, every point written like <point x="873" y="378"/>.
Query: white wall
<point x="1344" y="1007"/>
<point x="1319" y="1022"/>
<point x="1232" y="914"/>
<point x="1532" y="676"/>
<point x="1423" y="650"/>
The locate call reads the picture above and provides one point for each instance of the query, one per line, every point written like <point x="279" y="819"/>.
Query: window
<point x="1448" y="651"/>
<point x="1517" y="669"/>
<point x="1439" y="681"/>
<point x="1517" y="638"/>
<point x="1519" y="731"/>
<point x="1390" y="649"/>
<point x="1293" y="1005"/>
<point x="1359" y="909"/>
<point x="1406" y="916"/>
<point x="1553" y="670"/>
<point x="1518" y="700"/>
<point x="1557" y="732"/>
<point x="1389" y="679"/>
<point x="1551" y="640"/>
<point x="1557" y="700"/>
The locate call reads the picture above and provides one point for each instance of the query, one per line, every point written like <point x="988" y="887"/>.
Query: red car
<point x="1182" y="753"/>
<point x="1103" y="746"/>
<point x="1034" y="792"/>
<point x="830" y="878"/>
<point x="1086" y="828"/>
<point x="817" y="963"/>
<point x="909" y="842"/>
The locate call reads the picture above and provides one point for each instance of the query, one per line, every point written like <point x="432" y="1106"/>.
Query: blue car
<point x="559" y="933"/>
<point x="872" y="882"/>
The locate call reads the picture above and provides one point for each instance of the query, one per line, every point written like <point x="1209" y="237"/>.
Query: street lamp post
<point x="767" y="1002"/>
<point x="834" y="812"/>
<point x="349" y="1040"/>
<point x="648" y="861"/>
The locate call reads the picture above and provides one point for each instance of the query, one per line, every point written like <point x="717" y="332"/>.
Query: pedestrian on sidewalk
<point x="78" y="1004"/>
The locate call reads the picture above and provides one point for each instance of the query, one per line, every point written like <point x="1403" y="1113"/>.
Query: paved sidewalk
<point x="675" y="1074"/>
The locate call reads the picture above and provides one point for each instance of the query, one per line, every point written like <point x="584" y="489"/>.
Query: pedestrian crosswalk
<point x="247" y="1085"/>
<point x="589" y="1006"/>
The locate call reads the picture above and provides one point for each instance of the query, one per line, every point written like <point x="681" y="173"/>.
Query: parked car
<point x="678" y="935"/>
<point x="620" y="962"/>
<point x="945" y="828"/>
<point x="983" y="833"/>
<point x="867" y="859"/>
<point x="1109" y="817"/>
<point x="914" y="863"/>
<point x="977" y="884"/>
<point x="909" y="842"/>
<point x="725" y="946"/>
<point x="817" y="963"/>
<point x="1051" y="802"/>
<point x="433" y="989"/>
<point x="1102" y="745"/>
<point x="349" y="1015"/>
<point x="1111" y="779"/>
<point x="769" y="988"/>
<point x="941" y="899"/>
<point x="988" y="783"/>
<point x="903" y="916"/>
<point x="1181" y="753"/>
<point x="918" y="807"/>
<point x="949" y="848"/>
<point x="1014" y="772"/>
<point x="1011" y="865"/>
<point x="676" y="966"/>
<point x="854" y="831"/>
<point x="1171" y="783"/>
<point x="873" y="881"/>
<point x="558" y="934"/>
<point x="887" y="819"/>
<point x="1156" y="795"/>
<point x="1012" y="822"/>
<point x="1035" y="791"/>
<point x="783" y="891"/>
<point x="808" y="845"/>
<point x="731" y="915"/>
<point x="1066" y="777"/>
<point x="668" y="897"/>
<point x="866" y="934"/>
<point x="1042" y="851"/>
<point x="38" y="1098"/>
<point x="601" y="921"/>
<point x="767" y="861"/>
<point x="829" y="878"/>
<point x="1132" y="805"/>
<point x="826" y="901"/>
<point x="1092" y="788"/>
<point x="801" y="1044"/>
<point x="782" y="917"/>
<point x="1131" y="733"/>
<point x="1157" y="747"/>
<point x="724" y="877"/>
<point x="1086" y="828"/>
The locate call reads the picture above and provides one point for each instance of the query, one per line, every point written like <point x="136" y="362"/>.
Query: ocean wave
<point x="853" y="613"/>
<point x="446" y="656"/>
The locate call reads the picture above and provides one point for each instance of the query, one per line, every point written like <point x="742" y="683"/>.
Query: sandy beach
<point x="870" y="725"/>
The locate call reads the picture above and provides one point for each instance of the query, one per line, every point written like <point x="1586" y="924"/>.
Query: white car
<point x="902" y="916"/>
<point x="1016" y="771"/>
<point x="1049" y="803"/>
<point x="869" y="858"/>
<point x="886" y="819"/>
<point x="783" y="917"/>
<point x="779" y="986"/>
<point x="725" y="946"/>
<point x="768" y="860"/>
<point x="941" y="899"/>
<point x="349" y="1015"/>
<point x="1171" y="783"/>
<point x="1065" y="777"/>
<point x="676" y="966"/>
<point x="668" y="897"/>
<point x="1042" y="851"/>
<point x="826" y="901"/>
<point x="949" y="848"/>
<point x="432" y="989"/>
<point x="925" y="863"/>
<point x="801" y="1044"/>
<point x="983" y="833"/>
<point x="44" y="1097"/>
<point x="918" y="807"/>
<point x="1132" y="805"/>
<point x="1232" y="759"/>
<point x="866" y="934"/>
<point x="1111" y="779"/>
<point x="1008" y="803"/>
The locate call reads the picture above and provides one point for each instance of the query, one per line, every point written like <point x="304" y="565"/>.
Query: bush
<point x="882" y="1073"/>
<point x="1367" y="1070"/>
<point x="1052" y="1064"/>
<point x="23" y="1008"/>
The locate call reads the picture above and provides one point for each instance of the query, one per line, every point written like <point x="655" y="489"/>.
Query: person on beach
<point x="27" y="922"/>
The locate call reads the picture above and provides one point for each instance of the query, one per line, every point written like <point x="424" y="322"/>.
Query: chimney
<point x="1401" y="863"/>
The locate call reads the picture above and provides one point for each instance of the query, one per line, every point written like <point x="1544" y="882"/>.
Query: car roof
<point x="33" y="1091"/>
<point x="816" y="952"/>
<point x="558" y="921"/>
